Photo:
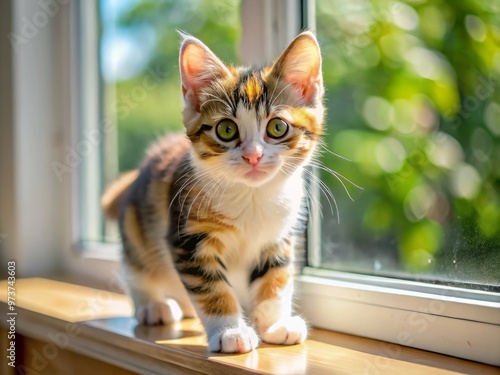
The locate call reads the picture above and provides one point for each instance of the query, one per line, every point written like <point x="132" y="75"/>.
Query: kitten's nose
<point x="252" y="158"/>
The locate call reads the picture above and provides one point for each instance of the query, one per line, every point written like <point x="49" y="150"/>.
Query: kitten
<point x="207" y="221"/>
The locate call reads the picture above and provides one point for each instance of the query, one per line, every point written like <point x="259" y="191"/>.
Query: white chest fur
<point x="261" y="216"/>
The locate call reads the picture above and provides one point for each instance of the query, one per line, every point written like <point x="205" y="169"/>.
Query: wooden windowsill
<point x="97" y="324"/>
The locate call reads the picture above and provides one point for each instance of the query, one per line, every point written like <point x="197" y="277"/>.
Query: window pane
<point x="413" y="103"/>
<point x="139" y="49"/>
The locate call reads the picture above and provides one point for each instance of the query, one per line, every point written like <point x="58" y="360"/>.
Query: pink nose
<point x="252" y="158"/>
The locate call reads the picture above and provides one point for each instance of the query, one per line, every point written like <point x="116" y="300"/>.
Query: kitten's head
<point x="252" y="125"/>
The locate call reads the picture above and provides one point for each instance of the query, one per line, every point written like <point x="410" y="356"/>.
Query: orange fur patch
<point x="273" y="282"/>
<point x="201" y="225"/>
<point x="253" y="88"/>
<point x="220" y="302"/>
<point x="213" y="244"/>
<point x="302" y="118"/>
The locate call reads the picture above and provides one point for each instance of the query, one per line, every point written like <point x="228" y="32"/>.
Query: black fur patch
<point x="262" y="269"/>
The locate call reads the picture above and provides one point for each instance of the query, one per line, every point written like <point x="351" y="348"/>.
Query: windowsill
<point x="97" y="324"/>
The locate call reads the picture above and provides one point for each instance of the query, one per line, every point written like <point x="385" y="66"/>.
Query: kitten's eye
<point x="276" y="128"/>
<point x="227" y="130"/>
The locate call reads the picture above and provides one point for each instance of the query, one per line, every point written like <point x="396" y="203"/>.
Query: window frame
<point x="466" y="326"/>
<point x="87" y="261"/>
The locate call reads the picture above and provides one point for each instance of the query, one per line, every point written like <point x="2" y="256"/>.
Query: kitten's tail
<point x="113" y="196"/>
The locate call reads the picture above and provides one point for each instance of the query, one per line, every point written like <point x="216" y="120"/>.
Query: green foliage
<point x="412" y="88"/>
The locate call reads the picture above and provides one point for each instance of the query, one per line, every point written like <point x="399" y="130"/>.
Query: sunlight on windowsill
<point x="101" y="327"/>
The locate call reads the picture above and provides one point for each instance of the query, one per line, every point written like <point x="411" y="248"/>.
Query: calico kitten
<point x="207" y="221"/>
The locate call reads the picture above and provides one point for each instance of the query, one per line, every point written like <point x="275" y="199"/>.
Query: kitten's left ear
<point x="300" y="65"/>
<point x="199" y="67"/>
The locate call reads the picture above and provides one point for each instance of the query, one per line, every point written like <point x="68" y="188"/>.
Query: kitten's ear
<point x="300" y="65"/>
<point x="199" y="67"/>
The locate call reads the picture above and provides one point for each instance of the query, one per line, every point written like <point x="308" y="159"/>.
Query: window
<point x="407" y="247"/>
<point x="414" y="257"/>
<point x="418" y="122"/>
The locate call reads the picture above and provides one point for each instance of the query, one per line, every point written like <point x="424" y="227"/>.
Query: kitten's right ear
<point x="300" y="65"/>
<point x="199" y="67"/>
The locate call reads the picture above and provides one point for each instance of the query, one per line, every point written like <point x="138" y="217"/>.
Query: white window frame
<point x="39" y="224"/>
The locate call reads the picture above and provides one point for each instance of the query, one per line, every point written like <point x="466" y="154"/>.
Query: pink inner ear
<point x="300" y="65"/>
<point x="199" y="67"/>
<point x="306" y="86"/>
<point x="192" y="58"/>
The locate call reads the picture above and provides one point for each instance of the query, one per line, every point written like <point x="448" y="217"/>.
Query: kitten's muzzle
<point x="252" y="154"/>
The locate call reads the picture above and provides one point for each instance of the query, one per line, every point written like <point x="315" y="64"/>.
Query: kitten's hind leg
<point x="158" y="299"/>
<point x="155" y="313"/>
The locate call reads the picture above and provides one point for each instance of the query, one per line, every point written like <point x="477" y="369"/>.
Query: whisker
<point x="338" y="177"/>
<point x="277" y="96"/>
<point x="227" y="105"/>
<point x="212" y="100"/>
<point x="318" y="164"/>
<point x="274" y="89"/>
<point x="196" y="175"/>
<point x="196" y="197"/>
<point x="326" y="191"/>
<point x="216" y="184"/>
<point x="308" y="187"/>
<point x="194" y="180"/>
<point x="324" y="148"/>
<point x="230" y="104"/>
<point x="228" y="181"/>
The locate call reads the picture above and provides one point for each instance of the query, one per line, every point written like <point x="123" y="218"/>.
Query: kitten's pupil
<point x="227" y="130"/>
<point x="277" y="128"/>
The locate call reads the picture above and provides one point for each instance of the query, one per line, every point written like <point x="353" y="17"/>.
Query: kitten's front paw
<point x="286" y="331"/>
<point x="155" y="313"/>
<point x="241" y="339"/>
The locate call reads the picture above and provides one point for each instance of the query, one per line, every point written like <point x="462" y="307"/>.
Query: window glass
<point x="414" y="105"/>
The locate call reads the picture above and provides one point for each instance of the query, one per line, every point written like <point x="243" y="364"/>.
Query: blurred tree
<point x="414" y="102"/>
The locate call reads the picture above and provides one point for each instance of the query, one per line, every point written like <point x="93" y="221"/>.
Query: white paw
<point x="241" y="339"/>
<point x="286" y="331"/>
<point x="155" y="313"/>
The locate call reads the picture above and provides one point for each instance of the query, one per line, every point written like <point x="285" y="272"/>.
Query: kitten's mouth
<point x="255" y="174"/>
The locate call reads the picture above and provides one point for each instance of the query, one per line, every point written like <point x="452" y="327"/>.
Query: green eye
<point x="276" y="128"/>
<point x="227" y="130"/>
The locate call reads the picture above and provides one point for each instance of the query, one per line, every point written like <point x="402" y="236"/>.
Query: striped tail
<point x="113" y="196"/>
